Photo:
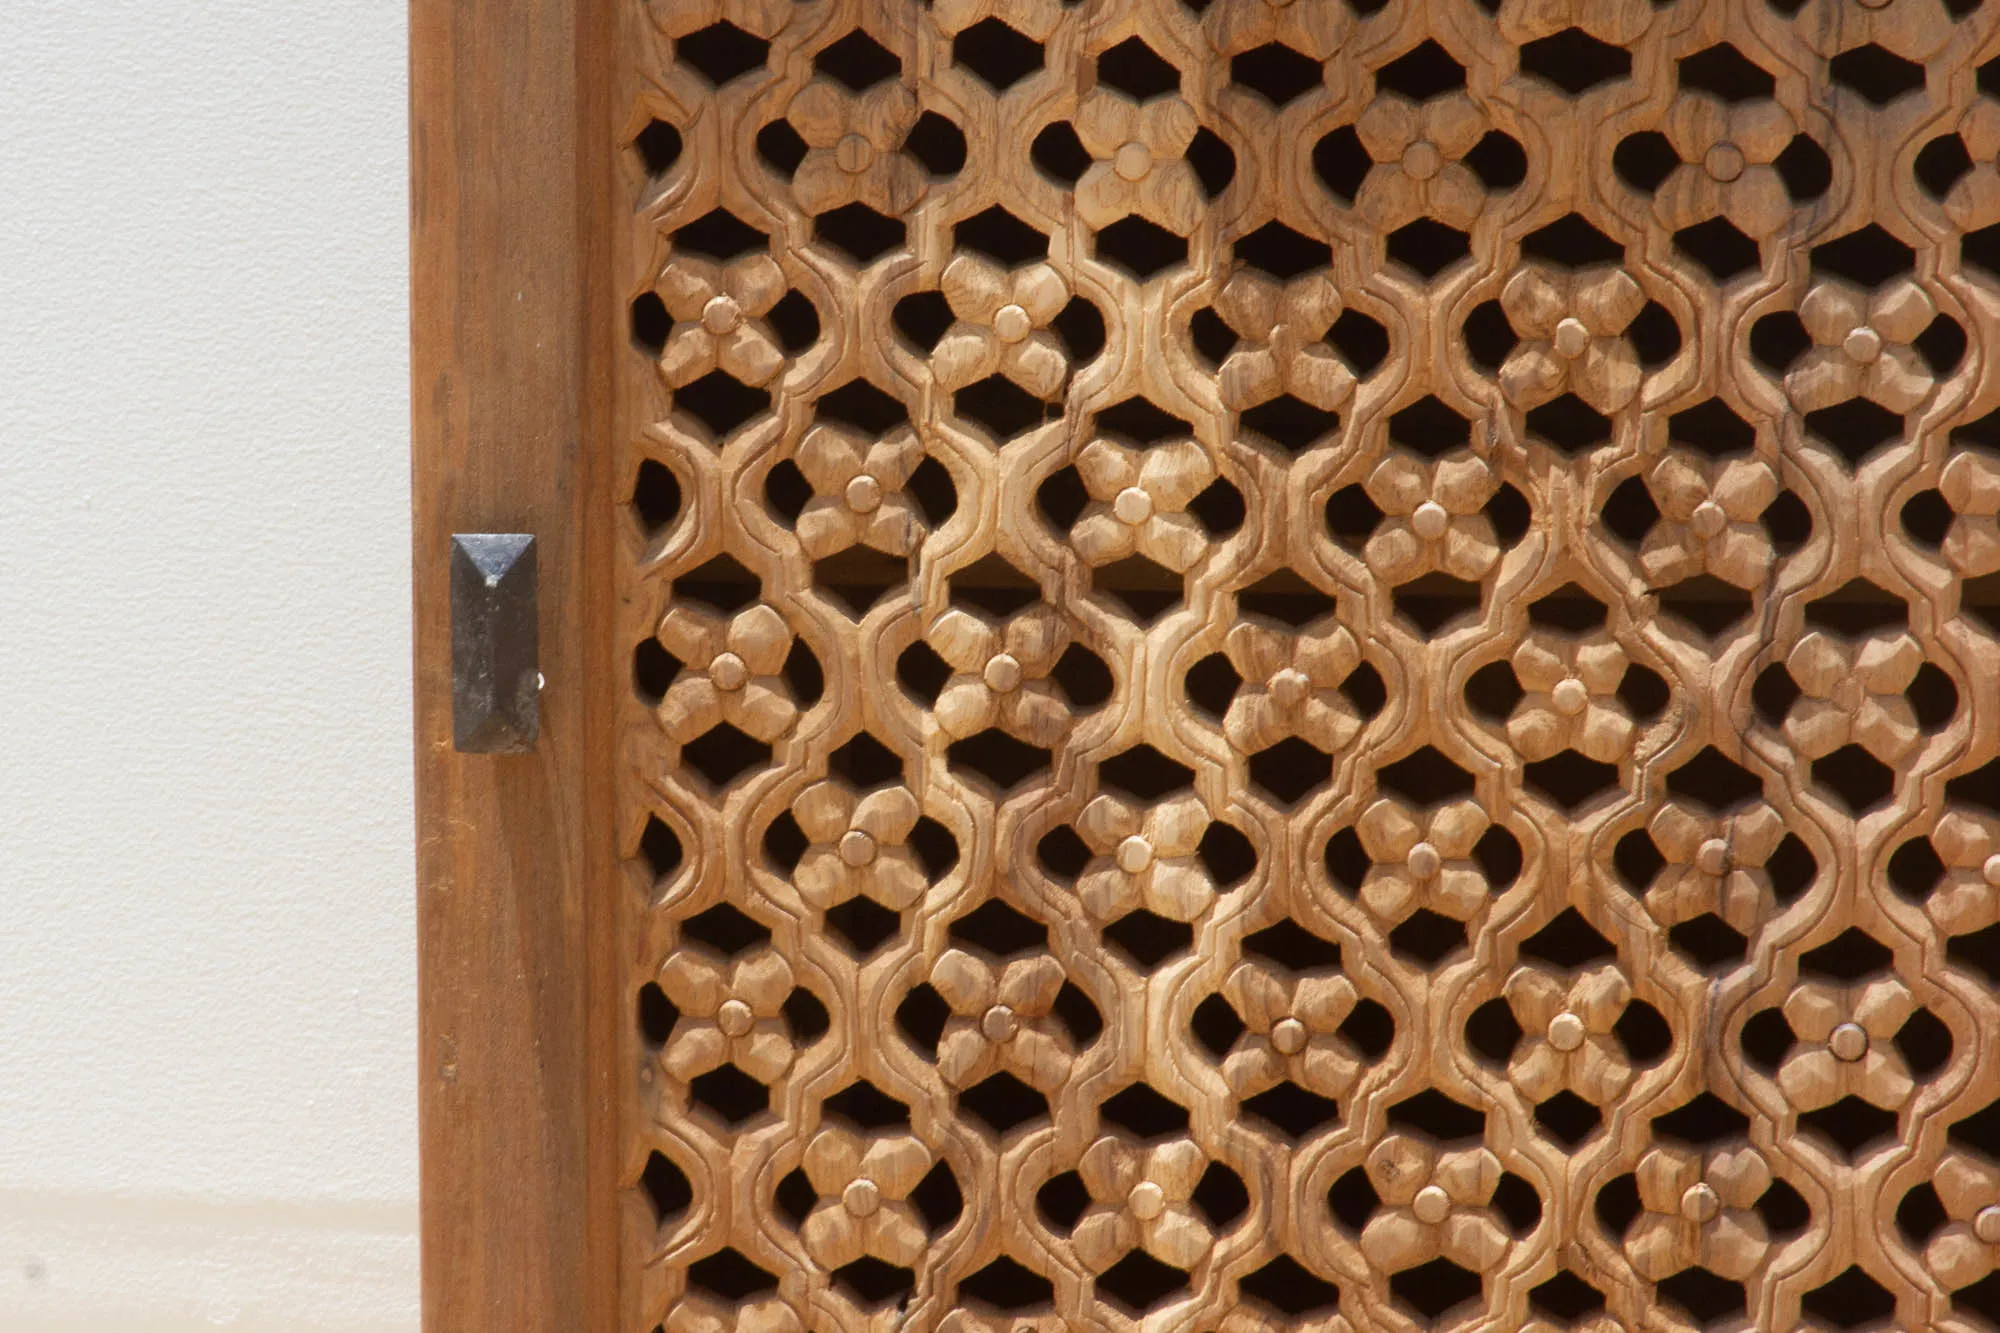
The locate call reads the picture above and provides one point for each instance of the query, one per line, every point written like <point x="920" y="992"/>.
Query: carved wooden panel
<point x="1310" y="665"/>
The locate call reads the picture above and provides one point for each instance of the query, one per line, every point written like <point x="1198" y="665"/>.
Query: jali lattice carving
<point x="1312" y="665"/>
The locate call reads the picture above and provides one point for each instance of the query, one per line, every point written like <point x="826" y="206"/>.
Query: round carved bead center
<point x="734" y="1018"/>
<point x="1289" y="1036"/>
<point x="1986" y="1225"/>
<point x="864" y="494"/>
<point x="1421" y="160"/>
<point x="1134" y="854"/>
<point x="721" y="315"/>
<point x="862" y="1197"/>
<point x="1571" y="337"/>
<point x="1700" y="1203"/>
<point x="1709" y="518"/>
<point x="1724" y="162"/>
<point x="728" y="672"/>
<point x="1991" y="870"/>
<point x="1424" y="861"/>
<point x="857" y="847"/>
<point x="1289" y="687"/>
<point x="1863" y="345"/>
<point x="1565" y="1031"/>
<point x="1430" y="520"/>
<point x="1132" y="506"/>
<point x="1147" y="1200"/>
<point x="1849" y="1042"/>
<point x="1431" y="1205"/>
<point x="1570" y="696"/>
<point x="1003" y="673"/>
<point x="1132" y="161"/>
<point x="999" y="1024"/>
<point x="853" y="153"/>
<point x="1011" y="323"/>
<point x="1712" y="857"/>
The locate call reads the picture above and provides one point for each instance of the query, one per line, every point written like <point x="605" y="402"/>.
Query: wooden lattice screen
<point x="1306" y="665"/>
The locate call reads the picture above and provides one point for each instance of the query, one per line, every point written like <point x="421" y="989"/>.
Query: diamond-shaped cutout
<point x="1140" y="247"/>
<point x="1289" y="770"/>
<point x="1856" y="778"/>
<point x="721" y="402"/>
<point x="727" y="1274"/>
<point x="1135" y="69"/>
<point x="1146" y="590"/>
<point x="1425" y="71"/>
<point x="1868" y="255"/>
<point x="1281" y="252"/>
<point x="998" y="55"/>
<point x="1430" y="427"/>
<point x="1568" y="1118"/>
<point x="1002" y="1102"/>
<point x="864" y="923"/>
<point x="857" y="62"/>
<point x="1568" y="940"/>
<point x="999" y="930"/>
<point x="1570" y="779"/>
<point x="999" y="758"/>
<point x="1000" y="236"/>
<point x="1139" y="1282"/>
<point x="1851" y="1300"/>
<point x="1567" y="1298"/>
<point x="1005" y="1285"/>
<point x="1712" y="428"/>
<point x="1575" y="61"/>
<point x="1878" y="74"/>
<point x="870" y="1282"/>
<point x="1436" y="601"/>
<point x="1714" y="781"/>
<point x="729" y="1094"/>
<point x="1705" y="1120"/>
<point x="1718" y="247"/>
<point x="1703" y="1295"/>
<point x="1290" y="1288"/>
<point x="859" y="232"/>
<point x="1149" y="939"/>
<point x="1292" y="424"/>
<point x="720" y="52"/>
<point x="1000" y="407"/>
<point x="1293" y="1109"/>
<point x="1141" y="1109"/>
<point x="1709" y="942"/>
<point x="722" y="754"/>
<point x="1706" y="603"/>
<point x="1428" y="247"/>
<point x="1727" y="73"/>
<point x="1277" y="72"/>
<point x="1569" y="423"/>
<point x="1144" y="772"/>
<point x="1292" y="947"/>
<point x="1436" y="1288"/>
<point x="1427" y="937"/>
<point x="1854" y="429"/>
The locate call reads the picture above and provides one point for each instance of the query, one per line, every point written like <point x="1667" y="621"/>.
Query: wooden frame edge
<point x="510" y="180"/>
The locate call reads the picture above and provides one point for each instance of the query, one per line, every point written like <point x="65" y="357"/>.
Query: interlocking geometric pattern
<point x="1312" y="665"/>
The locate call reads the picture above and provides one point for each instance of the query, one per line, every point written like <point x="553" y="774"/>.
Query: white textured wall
<point x="207" y="979"/>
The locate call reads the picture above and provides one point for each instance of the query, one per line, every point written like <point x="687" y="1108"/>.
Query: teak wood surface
<point x="1214" y="665"/>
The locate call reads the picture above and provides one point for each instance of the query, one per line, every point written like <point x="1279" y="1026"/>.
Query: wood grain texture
<point x="509" y="251"/>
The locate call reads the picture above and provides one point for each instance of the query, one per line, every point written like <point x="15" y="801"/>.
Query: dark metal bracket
<point x="495" y="678"/>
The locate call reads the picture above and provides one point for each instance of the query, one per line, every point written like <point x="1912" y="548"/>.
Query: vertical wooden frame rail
<point x="508" y="237"/>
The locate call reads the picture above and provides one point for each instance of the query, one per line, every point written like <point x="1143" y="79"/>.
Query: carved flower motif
<point x="1699" y="1210"/>
<point x="1963" y="1251"/>
<point x="858" y="846"/>
<point x="1968" y="897"/>
<point x="1144" y="856"/>
<point x="1847" y="1044"/>
<point x="1567" y="1022"/>
<point x="697" y="1313"/>
<point x="1236" y="26"/>
<point x="1002" y="325"/>
<point x="1971" y="486"/>
<point x="1418" y="151"/>
<point x="1708" y="520"/>
<point x="1002" y="673"/>
<point x="1282" y="328"/>
<point x="1140" y="1198"/>
<point x="731" y="673"/>
<point x="1291" y="686"/>
<point x="1571" y="699"/>
<point x="1001" y="1020"/>
<point x="1290" y="1025"/>
<point x="717" y="311"/>
<point x="863" y="1183"/>
<point x="1862" y="346"/>
<point x="858" y="491"/>
<point x="1434" y="517"/>
<point x="1853" y="691"/>
<point x="1726" y="170"/>
<point x="1434" y="1203"/>
<point x="731" y="1013"/>
<point x="853" y="143"/>
<point x="1138" y="502"/>
<point x="1139" y="160"/>
<point x="1714" y="863"/>
<point x="1572" y="325"/>
<point x="1422" y="859"/>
